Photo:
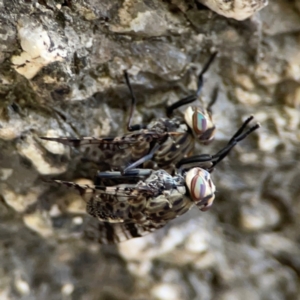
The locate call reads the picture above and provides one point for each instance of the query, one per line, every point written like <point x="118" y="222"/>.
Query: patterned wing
<point x="119" y="142"/>
<point x="116" y="152"/>
<point x="127" y="211"/>
<point x="116" y="203"/>
<point x="113" y="233"/>
<point x="157" y="217"/>
<point x="112" y="152"/>
<point x="101" y="142"/>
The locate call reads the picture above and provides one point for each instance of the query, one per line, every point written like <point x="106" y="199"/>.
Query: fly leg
<point x="207" y="161"/>
<point x="192" y="98"/>
<point x="118" y="175"/>
<point x="112" y="178"/>
<point x="213" y="99"/>
<point x="234" y="140"/>
<point x="143" y="159"/>
<point x="131" y="127"/>
<point x="205" y="68"/>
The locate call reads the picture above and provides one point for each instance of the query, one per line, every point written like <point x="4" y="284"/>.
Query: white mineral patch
<point x="13" y="128"/>
<point x="74" y="203"/>
<point x="247" y="97"/>
<point x="263" y="216"/>
<point x="149" y="22"/>
<point x="268" y="142"/>
<point x="293" y="69"/>
<point x="245" y="293"/>
<point x="136" y="17"/>
<point x="266" y="75"/>
<point x="32" y="151"/>
<point x="9" y="132"/>
<point x="39" y="222"/>
<point x="293" y="116"/>
<point x="19" y="202"/>
<point x="248" y="158"/>
<point x="54" y="147"/>
<point x="276" y="243"/>
<point x="67" y="289"/>
<point x="147" y="248"/>
<point x="236" y="9"/>
<point x="77" y="220"/>
<point x="166" y="291"/>
<point x="83" y="181"/>
<point x="205" y="261"/>
<point x="140" y="269"/>
<point x="91" y="87"/>
<point x="197" y="242"/>
<point x="146" y="23"/>
<point x="37" y="49"/>
<point x="22" y="286"/>
<point x="5" y="173"/>
<point x="293" y="99"/>
<point x="245" y="81"/>
<point x="54" y="211"/>
<point x="5" y="293"/>
<point x="136" y="249"/>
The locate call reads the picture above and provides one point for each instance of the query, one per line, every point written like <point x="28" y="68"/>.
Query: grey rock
<point x="61" y="74"/>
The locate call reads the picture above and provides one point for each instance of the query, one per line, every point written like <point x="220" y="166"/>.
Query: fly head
<point x="201" y="188"/>
<point x="201" y="123"/>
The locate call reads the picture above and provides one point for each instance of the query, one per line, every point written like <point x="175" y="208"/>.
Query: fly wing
<point x="97" y="141"/>
<point x="118" y="142"/>
<point x="129" y="211"/>
<point x="115" y="152"/>
<point x="85" y="189"/>
<point x="115" y="203"/>
<point x="112" y="152"/>
<point x="113" y="233"/>
<point x="129" y="190"/>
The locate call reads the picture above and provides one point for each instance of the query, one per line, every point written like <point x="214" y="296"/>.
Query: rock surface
<point x="61" y="74"/>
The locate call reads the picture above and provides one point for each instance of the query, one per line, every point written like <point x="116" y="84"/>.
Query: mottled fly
<point x="164" y="141"/>
<point x="148" y="199"/>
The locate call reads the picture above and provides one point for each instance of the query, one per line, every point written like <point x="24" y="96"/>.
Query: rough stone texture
<point x="236" y="9"/>
<point x="61" y="73"/>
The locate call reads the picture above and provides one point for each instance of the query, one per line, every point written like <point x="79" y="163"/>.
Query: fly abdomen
<point x="172" y="151"/>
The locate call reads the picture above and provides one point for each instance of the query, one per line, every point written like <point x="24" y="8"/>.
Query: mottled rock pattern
<point x="236" y="9"/>
<point x="61" y="73"/>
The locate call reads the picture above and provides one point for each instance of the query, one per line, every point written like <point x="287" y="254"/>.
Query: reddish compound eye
<point x="198" y="187"/>
<point x="201" y="187"/>
<point x="200" y="121"/>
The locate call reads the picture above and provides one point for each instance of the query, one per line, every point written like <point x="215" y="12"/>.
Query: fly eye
<point x="198" y="188"/>
<point x="207" y="204"/>
<point x="199" y="122"/>
<point x="208" y="136"/>
<point x="201" y="188"/>
<point x="202" y="125"/>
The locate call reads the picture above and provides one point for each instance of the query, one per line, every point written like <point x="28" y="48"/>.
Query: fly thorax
<point x="158" y="126"/>
<point x="201" y="188"/>
<point x="172" y="124"/>
<point x="168" y="180"/>
<point x="183" y="128"/>
<point x="166" y="124"/>
<point x="156" y="181"/>
<point x="162" y="180"/>
<point x="200" y="122"/>
<point x="177" y="187"/>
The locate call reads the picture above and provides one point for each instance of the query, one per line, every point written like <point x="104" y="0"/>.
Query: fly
<point x="148" y="199"/>
<point x="164" y="141"/>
